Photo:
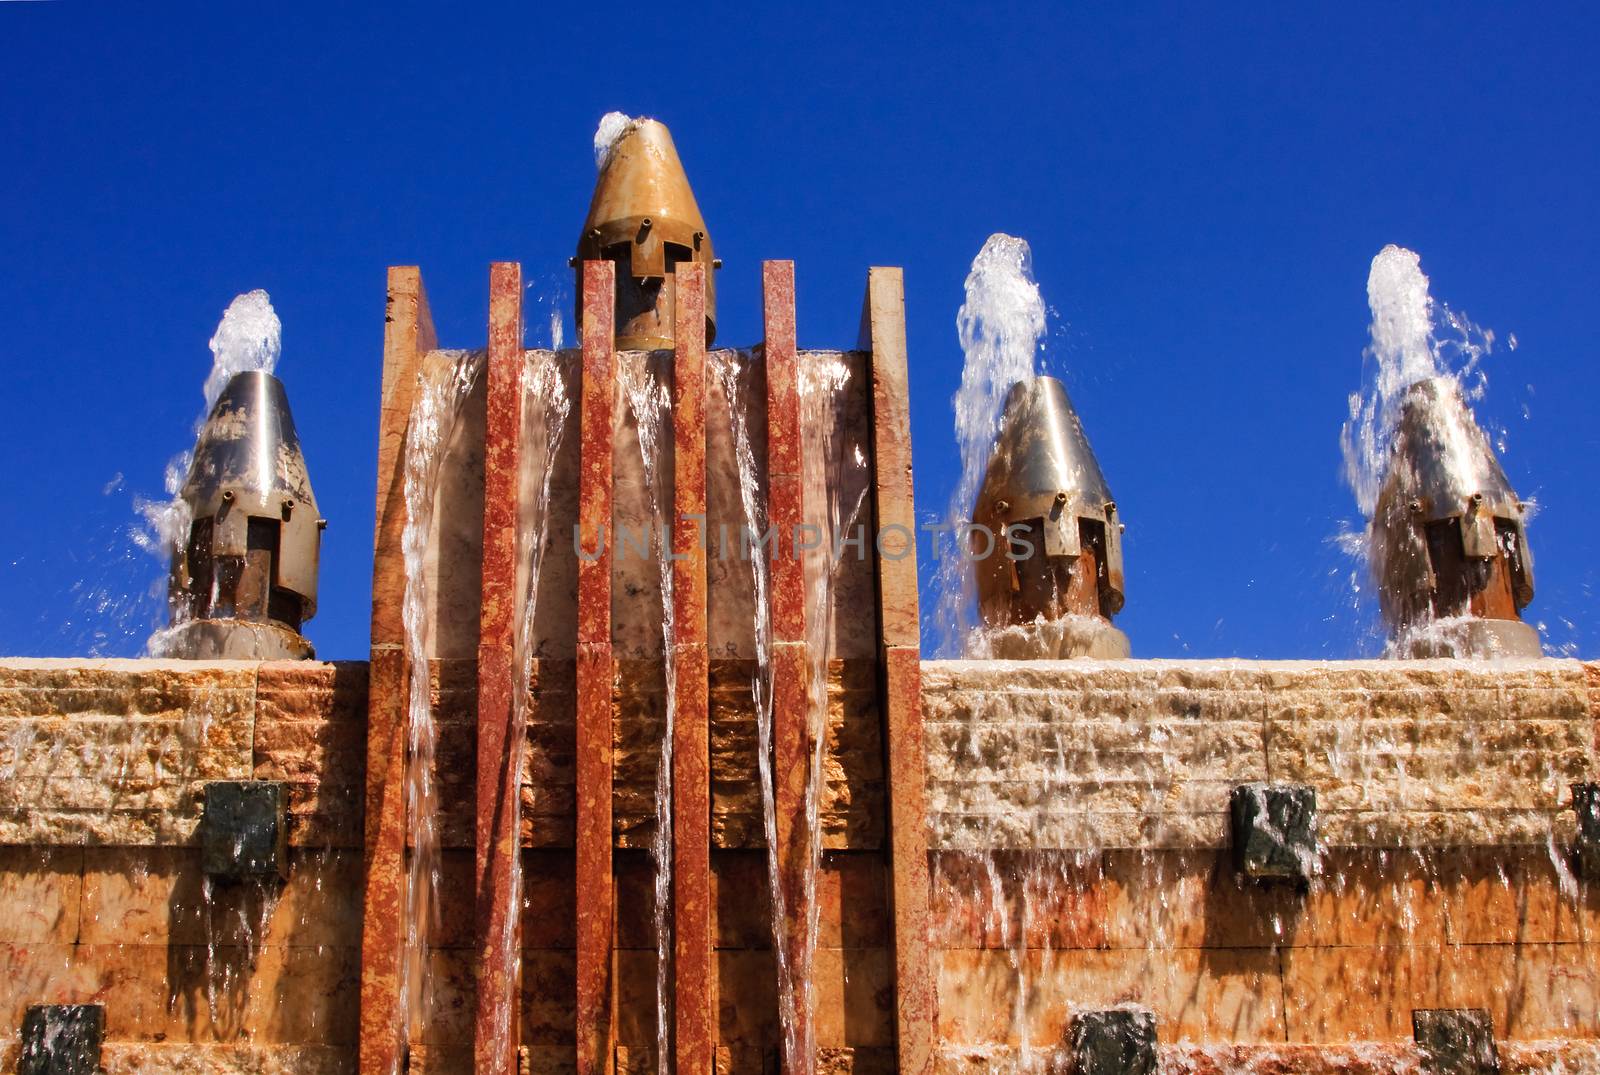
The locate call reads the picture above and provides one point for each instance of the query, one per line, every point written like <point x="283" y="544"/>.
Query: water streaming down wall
<point x="734" y="372"/>
<point x="447" y="383"/>
<point x="1084" y="855"/>
<point x="546" y="412"/>
<point x="647" y="389"/>
<point x="834" y="463"/>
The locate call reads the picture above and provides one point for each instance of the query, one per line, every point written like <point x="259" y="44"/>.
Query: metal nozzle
<point x="246" y="578"/>
<point x="643" y="217"/>
<point x="1449" y="535"/>
<point x="1044" y="486"/>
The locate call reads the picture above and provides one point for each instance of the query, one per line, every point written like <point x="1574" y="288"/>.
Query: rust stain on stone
<point x="498" y="792"/>
<point x="595" y="988"/>
<point x="695" y="1027"/>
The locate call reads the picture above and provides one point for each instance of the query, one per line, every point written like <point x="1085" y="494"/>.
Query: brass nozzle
<point x="644" y="217"/>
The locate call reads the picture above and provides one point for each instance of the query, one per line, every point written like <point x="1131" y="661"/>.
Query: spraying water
<point x="249" y="337"/>
<point x="1422" y="373"/>
<point x="1414" y="339"/>
<point x="440" y="395"/>
<point x="1001" y="326"/>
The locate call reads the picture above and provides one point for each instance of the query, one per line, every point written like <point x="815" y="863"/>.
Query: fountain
<point x="243" y="529"/>
<point x="1053" y="587"/>
<point x="645" y="771"/>
<point x="1447" y="536"/>
<point x="1043" y="541"/>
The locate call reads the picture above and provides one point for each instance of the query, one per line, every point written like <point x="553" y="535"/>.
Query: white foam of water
<point x="613" y="125"/>
<point x="249" y="337"/>
<point x="1001" y="326"/>
<point x="1413" y="338"/>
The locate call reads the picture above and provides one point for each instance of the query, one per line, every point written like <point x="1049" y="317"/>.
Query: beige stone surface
<point x="1531" y="991"/>
<point x="1143" y="754"/>
<point x="40" y="894"/>
<point x="1225" y="994"/>
<point x="115" y="751"/>
<point x="310" y="732"/>
<point x="146" y="1058"/>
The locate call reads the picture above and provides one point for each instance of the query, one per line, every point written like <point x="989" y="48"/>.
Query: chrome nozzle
<point x="1448" y="534"/>
<point x="251" y="553"/>
<point x="1044" y="485"/>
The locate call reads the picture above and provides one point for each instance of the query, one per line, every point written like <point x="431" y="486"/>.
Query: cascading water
<point x="650" y="402"/>
<point x="546" y="408"/>
<point x="1001" y="326"/>
<point x="441" y="394"/>
<point x="732" y="369"/>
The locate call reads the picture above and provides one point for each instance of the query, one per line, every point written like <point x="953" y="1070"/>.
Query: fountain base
<point x="1051" y="640"/>
<point x="231" y="640"/>
<point x="1471" y="638"/>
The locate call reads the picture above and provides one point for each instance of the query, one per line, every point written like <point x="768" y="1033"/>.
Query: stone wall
<point x="102" y="898"/>
<point x="1142" y="754"/>
<point x="1080" y="810"/>
<point x="1078" y="816"/>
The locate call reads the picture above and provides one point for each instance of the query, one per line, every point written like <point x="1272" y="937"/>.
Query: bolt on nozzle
<point x="244" y="579"/>
<point x="644" y="217"/>
<point x="1448" y="533"/>
<point x="1057" y="548"/>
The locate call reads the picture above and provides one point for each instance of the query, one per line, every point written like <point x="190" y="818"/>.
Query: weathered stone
<point x="1455" y="1041"/>
<point x="244" y="830"/>
<point x="40" y="890"/>
<point x="169" y="1058"/>
<point x="62" y="1039"/>
<point x="1116" y="1041"/>
<point x="1274" y="831"/>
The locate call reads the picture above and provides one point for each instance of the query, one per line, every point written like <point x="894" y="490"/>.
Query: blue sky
<point x="1203" y="187"/>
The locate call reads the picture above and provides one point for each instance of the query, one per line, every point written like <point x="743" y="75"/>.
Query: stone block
<point x="62" y="1039"/>
<point x="1211" y="995"/>
<point x="40" y="889"/>
<point x="1586" y="805"/>
<point x="1365" y="994"/>
<point x="1188" y="899"/>
<point x="549" y="986"/>
<point x="854" y="997"/>
<point x="1274" y="831"/>
<point x="244" y="829"/>
<point x="1116" y="1041"/>
<point x="1455" y="1041"/>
